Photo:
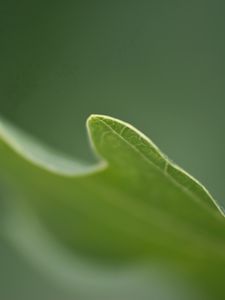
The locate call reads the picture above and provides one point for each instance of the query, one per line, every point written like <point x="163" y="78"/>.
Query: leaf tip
<point x="93" y="121"/>
<point x="96" y="117"/>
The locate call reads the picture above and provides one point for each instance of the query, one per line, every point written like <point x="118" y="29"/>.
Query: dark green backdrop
<point x="159" y="65"/>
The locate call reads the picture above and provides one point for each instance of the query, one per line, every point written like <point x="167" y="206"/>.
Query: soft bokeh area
<point x="159" y="65"/>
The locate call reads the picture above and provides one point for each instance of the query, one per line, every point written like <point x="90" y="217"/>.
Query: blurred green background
<point x="159" y="65"/>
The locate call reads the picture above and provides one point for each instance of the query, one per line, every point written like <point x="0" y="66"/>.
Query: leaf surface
<point x="129" y="210"/>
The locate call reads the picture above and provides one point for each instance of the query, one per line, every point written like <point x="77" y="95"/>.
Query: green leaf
<point x="103" y="225"/>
